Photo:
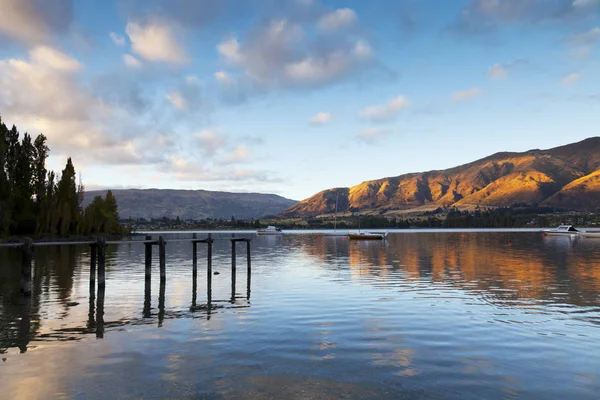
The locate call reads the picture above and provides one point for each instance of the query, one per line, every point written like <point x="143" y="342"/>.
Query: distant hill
<point x="566" y="177"/>
<point x="193" y="204"/>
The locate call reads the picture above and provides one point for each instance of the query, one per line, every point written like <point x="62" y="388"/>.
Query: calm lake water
<point x="425" y="315"/>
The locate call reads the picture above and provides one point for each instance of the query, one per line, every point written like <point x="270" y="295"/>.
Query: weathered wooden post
<point x="101" y="244"/>
<point x="233" y="266"/>
<point x="194" y="255"/>
<point x="209" y="243"/>
<point x="148" y="257"/>
<point x="27" y="256"/>
<point x="249" y="273"/>
<point x="162" y="258"/>
<point x="93" y="257"/>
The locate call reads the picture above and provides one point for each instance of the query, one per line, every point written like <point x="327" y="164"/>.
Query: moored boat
<point x="269" y="230"/>
<point x="367" y="236"/>
<point x="562" y="230"/>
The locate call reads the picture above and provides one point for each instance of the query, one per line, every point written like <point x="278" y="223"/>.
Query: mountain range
<point x="566" y="177"/>
<point x="192" y="204"/>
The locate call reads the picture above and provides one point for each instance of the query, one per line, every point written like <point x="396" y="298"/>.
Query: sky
<point x="294" y="96"/>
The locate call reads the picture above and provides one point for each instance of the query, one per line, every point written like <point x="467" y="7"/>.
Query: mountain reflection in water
<point x="421" y="315"/>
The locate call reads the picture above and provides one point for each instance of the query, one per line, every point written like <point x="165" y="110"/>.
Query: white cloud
<point x="582" y="44"/>
<point x="585" y="3"/>
<point x="117" y="39"/>
<point x="131" y="61"/>
<point x="372" y="135"/>
<point x="176" y="100"/>
<point x="224" y="78"/>
<point x="338" y="19"/>
<point x="52" y="58"/>
<point x="155" y="41"/>
<point x="497" y="71"/>
<point x="570" y="79"/>
<point x="387" y="111"/>
<point x="467" y="94"/>
<point x="281" y="54"/>
<point x="321" y="118"/>
<point x="34" y="21"/>
<point x="240" y="154"/>
<point x="211" y="142"/>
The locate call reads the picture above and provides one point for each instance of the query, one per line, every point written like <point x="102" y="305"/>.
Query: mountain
<point x="193" y="204"/>
<point x="566" y="177"/>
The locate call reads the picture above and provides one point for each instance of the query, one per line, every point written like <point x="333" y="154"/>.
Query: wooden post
<point x="194" y="256"/>
<point x="209" y="262"/>
<point x="233" y="257"/>
<point x="101" y="244"/>
<point x="233" y="268"/>
<point x="27" y="256"/>
<point x="162" y="258"/>
<point x="148" y="257"/>
<point x="249" y="273"/>
<point x="147" y="292"/>
<point x="93" y="257"/>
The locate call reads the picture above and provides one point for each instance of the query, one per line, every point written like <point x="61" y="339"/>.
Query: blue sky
<point x="295" y="96"/>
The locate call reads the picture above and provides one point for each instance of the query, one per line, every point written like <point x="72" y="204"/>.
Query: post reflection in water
<point x="100" y="312"/>
<point x="91" y="323"/>
<point x="161" y="303"/>
<point x="25" y="323"/>
<point x="146" y="313"/>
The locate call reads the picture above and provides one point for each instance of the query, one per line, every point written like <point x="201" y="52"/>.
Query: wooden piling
<point x="148" y="257"/>
<point x="249" y="273"/>
<point x="233" y="257"/>
<point x="27" y="256"/>
<point x="194" y="256"/>
<point x="162" y="258"/>
<point x="93" y="257"/>
<point x="209" y="260"/>
<point x="101" y="245"/>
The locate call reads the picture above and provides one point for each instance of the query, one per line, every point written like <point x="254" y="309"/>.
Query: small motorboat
<point x="562" y="230"/>
<point x="367" y="236"/>
<point x="269" y="230"/>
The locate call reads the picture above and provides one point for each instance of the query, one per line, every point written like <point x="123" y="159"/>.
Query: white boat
<point x="562" y="231"/>
<point x="590" y="235"/>
<point x="269" y="230"/>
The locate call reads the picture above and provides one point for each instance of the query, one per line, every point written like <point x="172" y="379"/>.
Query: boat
<point x="561" y="231"/>
<point x="590" y="235"/>
<point x="269" y="230"/>
<point x="367" y="236"/>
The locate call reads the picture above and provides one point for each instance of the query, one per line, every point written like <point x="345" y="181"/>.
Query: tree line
<point x="35" y="201"/>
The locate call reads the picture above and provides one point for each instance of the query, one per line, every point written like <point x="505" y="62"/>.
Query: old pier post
<point x="93" y="257"/>
<point x="148" y="257"/>
<point x="162" y="258"/>
<point x="101" y="244"/>
<point x="249" y="273"/>
<point x="27" y="256"/>
<point x="194" y="255"/>
<point x="209" y="242"/>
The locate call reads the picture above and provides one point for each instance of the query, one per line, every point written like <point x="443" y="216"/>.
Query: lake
<point x="423" y="315"/>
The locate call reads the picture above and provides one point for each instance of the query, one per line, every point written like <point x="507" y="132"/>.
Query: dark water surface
<point x="427" y="315"/>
